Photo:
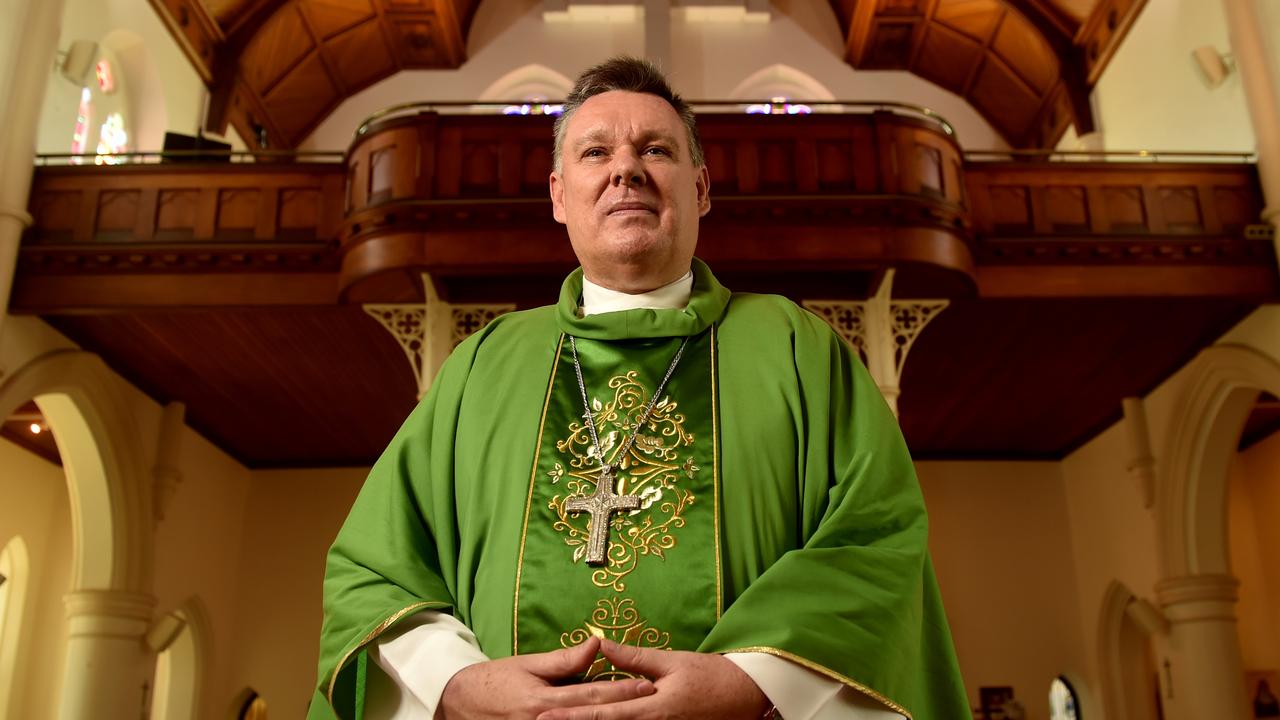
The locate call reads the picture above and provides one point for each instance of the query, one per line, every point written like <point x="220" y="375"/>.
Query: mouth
<point x="625" y="209"/>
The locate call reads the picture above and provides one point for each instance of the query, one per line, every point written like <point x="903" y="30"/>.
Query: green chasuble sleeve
<point x="840" y="580"/>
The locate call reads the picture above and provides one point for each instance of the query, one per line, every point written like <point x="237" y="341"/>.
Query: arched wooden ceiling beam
<point x="226" y="66"/>
<point x="1071" y="57"/>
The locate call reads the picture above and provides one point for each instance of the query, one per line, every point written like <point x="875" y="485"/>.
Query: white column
<point x="108" y="666"/>
<point x="1205" y="676"/>
<point x="32" y="32"/>
<point x="1246" y="24"/>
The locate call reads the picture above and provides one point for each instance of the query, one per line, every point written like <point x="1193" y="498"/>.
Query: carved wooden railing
<point x="824" y="201"/>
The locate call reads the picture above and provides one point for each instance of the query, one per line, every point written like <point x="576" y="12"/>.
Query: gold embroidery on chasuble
<point x="652" y="469"/>
<point x="659" y="584"/>
<point x="615" y="618"/>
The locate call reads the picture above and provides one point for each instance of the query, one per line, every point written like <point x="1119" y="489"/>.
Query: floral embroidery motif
<point x="658" y="459"/>
<point x="618" y="620"/>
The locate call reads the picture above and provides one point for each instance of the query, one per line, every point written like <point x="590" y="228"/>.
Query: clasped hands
<point x="524" y="687"/>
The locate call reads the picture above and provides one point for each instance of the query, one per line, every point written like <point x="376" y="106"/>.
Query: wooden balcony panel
<point x="840" y="191"/>
<point x="1116" y="212"/>
<point x="181" y="205"/>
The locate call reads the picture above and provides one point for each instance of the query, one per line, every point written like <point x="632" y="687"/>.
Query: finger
<point x="646" y="707"/>
<point x="598" y="693"/>
<point x="642" y="661"/>
<point x="563" y="663"/>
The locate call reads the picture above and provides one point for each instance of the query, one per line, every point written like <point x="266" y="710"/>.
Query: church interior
<point x="240" y="236"/>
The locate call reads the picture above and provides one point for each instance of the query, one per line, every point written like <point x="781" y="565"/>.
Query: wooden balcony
<point x="817" y="203"/>
<point x="235" y="286"/>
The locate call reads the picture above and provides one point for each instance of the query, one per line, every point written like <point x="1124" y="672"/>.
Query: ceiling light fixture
<point x="36" y="428"/>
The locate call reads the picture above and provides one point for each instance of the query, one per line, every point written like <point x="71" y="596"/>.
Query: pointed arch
<point x="181" y="667"/>
<point x="528" y="82"/>
<point x="1208" y="418"/>
<point x="1124" y="657"/>
<point x="15" y="566"/>
<point x="97" y="436"/>
<point x="781" y="80"/>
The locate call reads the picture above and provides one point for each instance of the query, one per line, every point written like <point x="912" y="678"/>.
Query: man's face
<point x="628" y="191"/>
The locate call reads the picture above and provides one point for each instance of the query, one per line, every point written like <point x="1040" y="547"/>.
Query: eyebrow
<point x="596" y="135"/>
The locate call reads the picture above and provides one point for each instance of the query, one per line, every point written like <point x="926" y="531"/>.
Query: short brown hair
<point x="628" y="74"/>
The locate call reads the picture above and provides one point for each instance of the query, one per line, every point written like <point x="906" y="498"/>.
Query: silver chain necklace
<point x="604" y="501"/>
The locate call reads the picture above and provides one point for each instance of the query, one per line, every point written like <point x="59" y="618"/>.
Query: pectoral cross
<point x="601" y="504"/>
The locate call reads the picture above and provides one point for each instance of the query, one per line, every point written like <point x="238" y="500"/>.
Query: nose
<point x="626" y="169"/>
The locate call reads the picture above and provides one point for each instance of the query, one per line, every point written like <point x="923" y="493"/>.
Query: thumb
<point x="563" y="663"/>
<point x="644" y="661"/>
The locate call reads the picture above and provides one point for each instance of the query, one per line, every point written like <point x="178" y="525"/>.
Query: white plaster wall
<point x="34" y="504"/>
<point x="291" y="518"/>
<point x="709" y="59"/>
<point x="167" y="94"/>
<point x="1150" y="96"/>
<point x="1000" y="538"/>
<point x="198" y="551"/>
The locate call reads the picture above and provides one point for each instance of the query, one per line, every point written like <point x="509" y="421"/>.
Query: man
<point x="697" y="494"/>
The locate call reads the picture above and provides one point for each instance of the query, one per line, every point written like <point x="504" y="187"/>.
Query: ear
<point x="556" y="184"/>
<point x="703" y="187"/>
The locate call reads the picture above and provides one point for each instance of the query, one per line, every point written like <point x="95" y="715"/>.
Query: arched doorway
<point x="1197" y="591"/>
<point x="180" y="666"/>
<point x="14" y="578"/>
<point x="1130" y="681"/>
<point x="97" y="434"/>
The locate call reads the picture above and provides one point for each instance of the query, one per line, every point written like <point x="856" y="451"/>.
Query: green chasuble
<point x="778" y="510"/>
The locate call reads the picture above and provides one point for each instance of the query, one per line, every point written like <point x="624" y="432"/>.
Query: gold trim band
<point x="374" y="633"/>
<point x="803" y="662"/>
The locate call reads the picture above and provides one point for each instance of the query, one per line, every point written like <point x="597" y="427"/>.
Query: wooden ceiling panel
<point x="271" y="387"/>
<point x="301" y="98"/>
<point x="975" y="18"/>
<point x="890" y="44"/>
<point x="226" y="12"/>
<point x="331" y="17"/>
<point x="275" y="50"/>
<point x="1077" y="10"/>
<point x="420" y="41"/>
<point x="359" y="56"/>
<point x="947" y="58"/>
<point x="1004" y="98"/>
<point x="1043" y="376"/>
<point x="1026" y="52"/>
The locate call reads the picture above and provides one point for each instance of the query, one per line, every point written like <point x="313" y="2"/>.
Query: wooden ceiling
<point x="317" y="386"/>
<point x="277" y="68"/>
<point x="1027" y="66"/>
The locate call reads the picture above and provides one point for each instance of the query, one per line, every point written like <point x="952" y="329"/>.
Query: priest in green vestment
<point x="697" y="494"/>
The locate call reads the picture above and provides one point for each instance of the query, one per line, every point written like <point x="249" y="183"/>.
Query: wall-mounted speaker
<point x="78" y="61"/>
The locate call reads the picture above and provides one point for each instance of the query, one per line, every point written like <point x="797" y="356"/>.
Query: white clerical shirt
<point x="421" y="654"/>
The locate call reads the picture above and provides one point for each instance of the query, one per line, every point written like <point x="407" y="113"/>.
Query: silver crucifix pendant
<point x="601" y="505"/>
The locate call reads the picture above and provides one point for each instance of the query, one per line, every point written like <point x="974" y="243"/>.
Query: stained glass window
<point x="112" y="139"/>
<point x="1063" y="704"/>
<point x="80" y="136"/>
<point x="533" y="107"/>
<point x="778" y="106"/>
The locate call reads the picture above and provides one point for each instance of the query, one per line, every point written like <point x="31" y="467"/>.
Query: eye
<point x="593" y="152"/>
<point x="657" y="149"/>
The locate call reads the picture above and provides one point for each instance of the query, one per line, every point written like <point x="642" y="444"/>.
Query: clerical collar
<point x="597" y="299"/>
<point x="707" y="300"/>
